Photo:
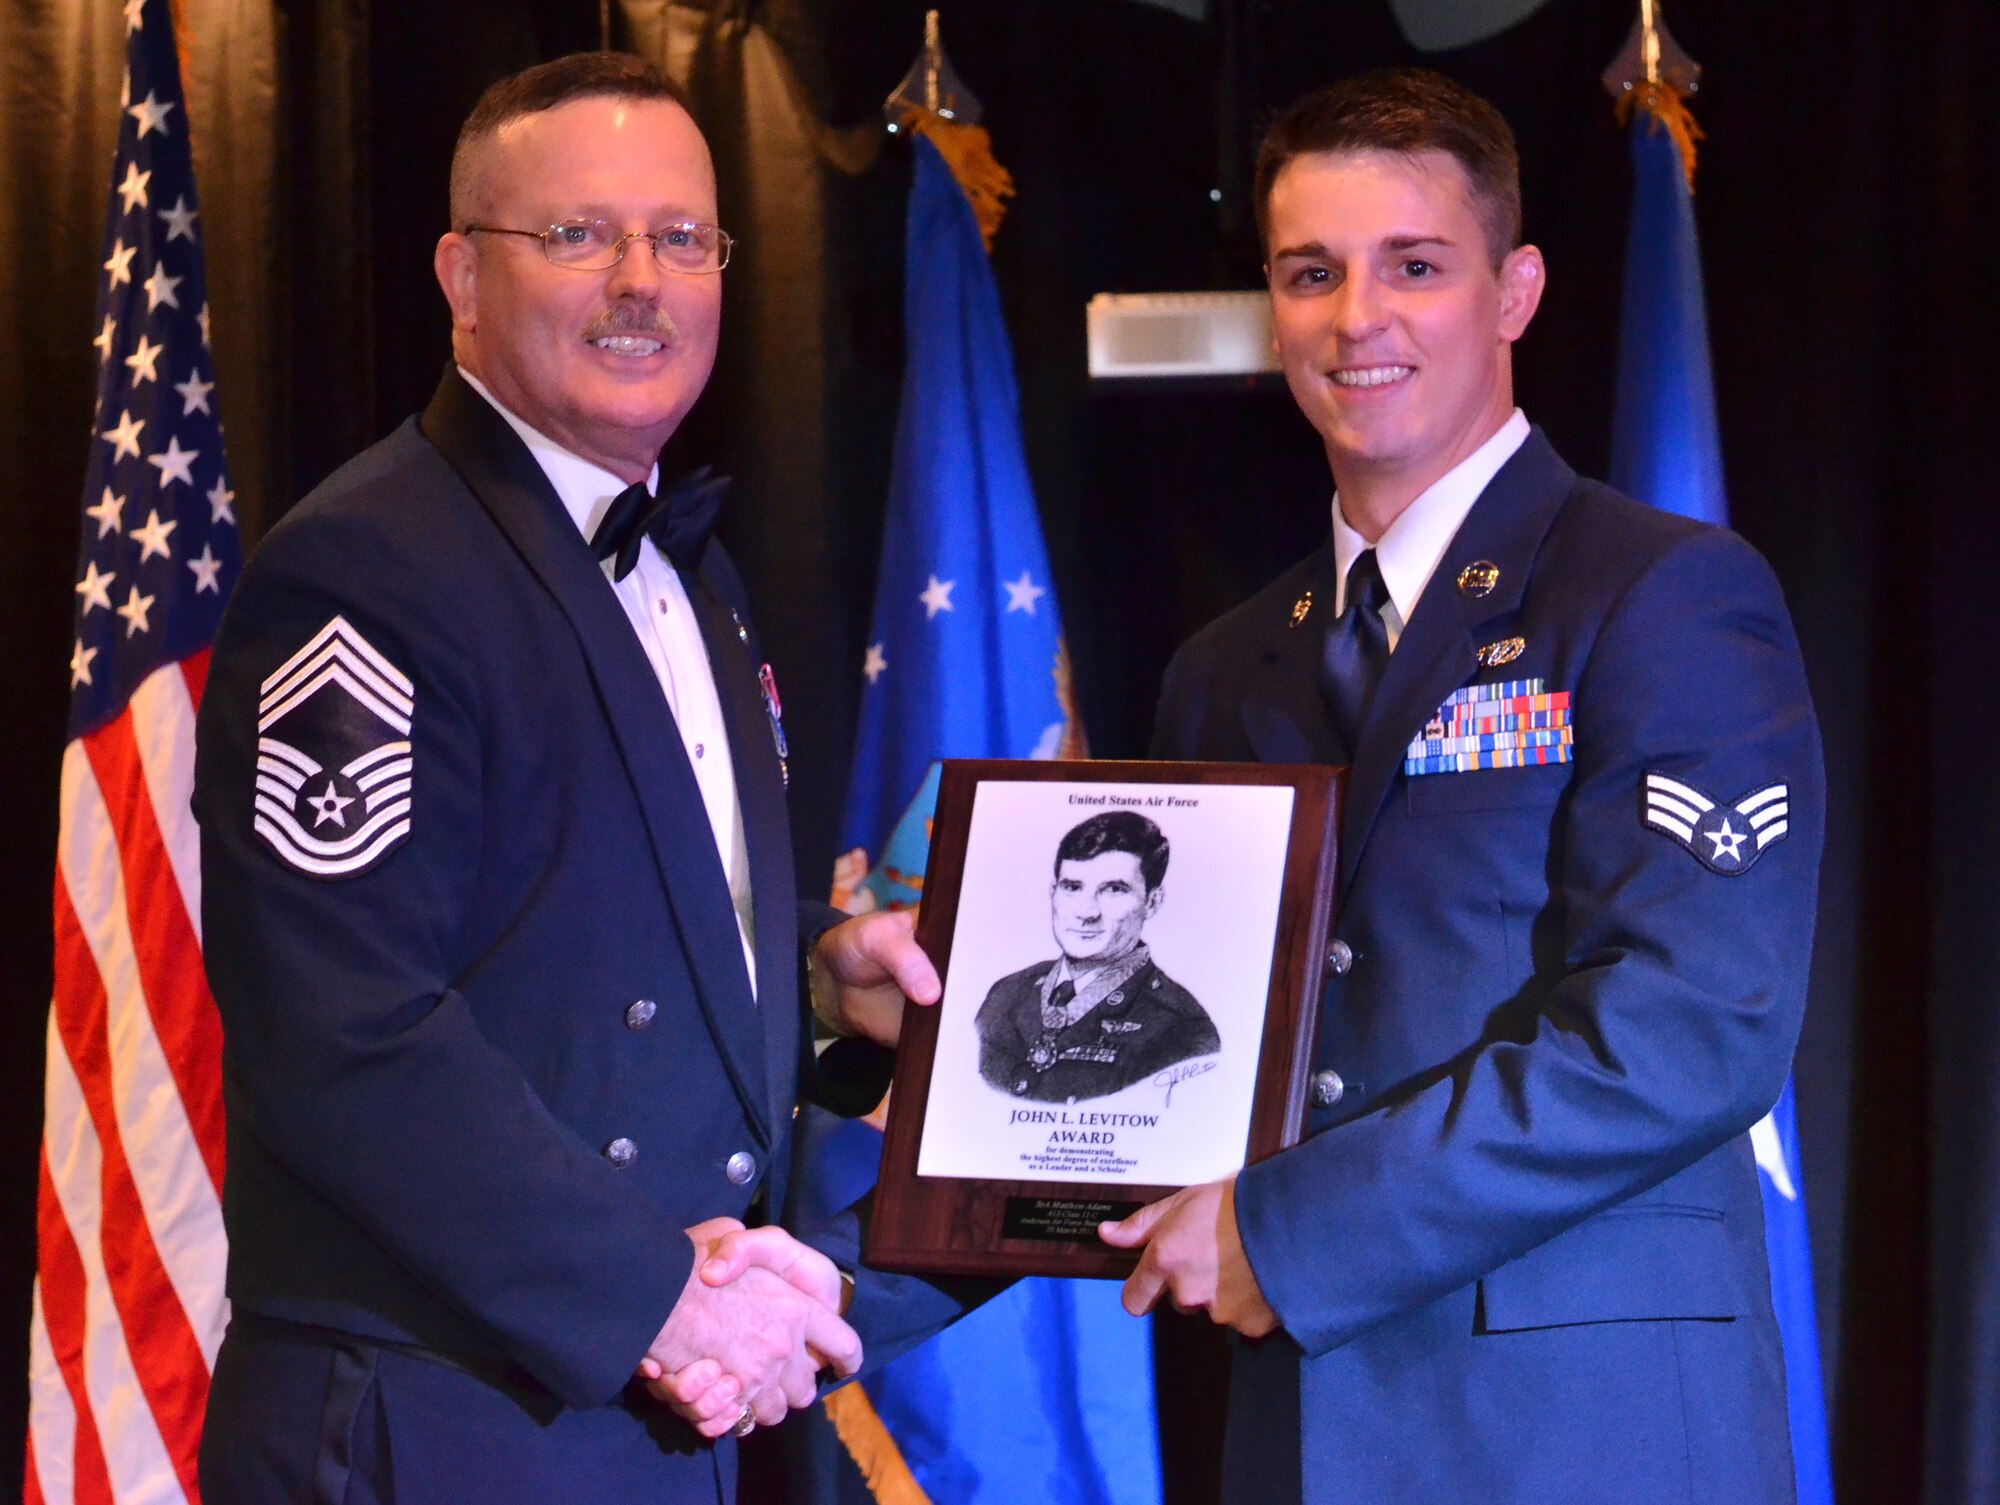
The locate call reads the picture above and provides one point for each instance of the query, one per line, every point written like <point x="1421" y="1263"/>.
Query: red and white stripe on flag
<point x="129" y="1307"/>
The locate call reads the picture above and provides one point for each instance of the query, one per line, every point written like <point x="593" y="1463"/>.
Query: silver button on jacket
<point x="640" y="1014"/>
<point x="740" y="1167"/>
<point x="1327" y="1089"/>
<point x="621" y="1152"/>
<point x="1340" y="956"/>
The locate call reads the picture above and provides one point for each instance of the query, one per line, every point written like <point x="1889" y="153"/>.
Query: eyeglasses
<point x="590" y="245"/>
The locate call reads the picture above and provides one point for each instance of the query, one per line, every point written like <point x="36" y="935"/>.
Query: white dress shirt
<point x="1408" y="553"/>
<point x="662" y="617"/>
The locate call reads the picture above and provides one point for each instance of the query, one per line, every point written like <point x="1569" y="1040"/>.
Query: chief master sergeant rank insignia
<point x="334" y="763"/>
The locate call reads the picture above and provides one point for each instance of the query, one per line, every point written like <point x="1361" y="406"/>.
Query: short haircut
<point x="1404" y="110"/>
<point x="581" y="75"/>
<point x="1118" y="831"/>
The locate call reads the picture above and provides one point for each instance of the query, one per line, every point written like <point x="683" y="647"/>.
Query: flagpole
<point x="1666" y="449"/>
<point x="965" y="659"/>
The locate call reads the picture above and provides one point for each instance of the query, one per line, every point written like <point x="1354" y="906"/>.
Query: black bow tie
<point x="678" y="521"/>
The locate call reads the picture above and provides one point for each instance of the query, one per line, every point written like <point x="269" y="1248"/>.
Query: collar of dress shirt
<point x="1408" y="553"/>
<point x="586" y="490"/>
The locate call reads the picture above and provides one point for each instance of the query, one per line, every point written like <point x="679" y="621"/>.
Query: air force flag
<point x="1665" y="450"/>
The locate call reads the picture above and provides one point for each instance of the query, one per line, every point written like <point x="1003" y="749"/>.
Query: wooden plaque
<point x="1132" y="956"/>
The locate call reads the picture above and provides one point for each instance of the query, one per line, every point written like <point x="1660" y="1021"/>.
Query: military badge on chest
<point x="775" y="709"/>
<point x="334" y="759"/>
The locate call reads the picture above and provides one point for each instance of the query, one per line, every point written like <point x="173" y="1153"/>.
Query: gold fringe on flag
<point x="968" y="151"/>
<point x="1667" y="108"/>
<point x="871" y="1447"/>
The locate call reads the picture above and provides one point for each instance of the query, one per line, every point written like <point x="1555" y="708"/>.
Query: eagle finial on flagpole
<point x="1652" y="73"/>
<point x="933" y="102"/>
<point x="932" y="86"/>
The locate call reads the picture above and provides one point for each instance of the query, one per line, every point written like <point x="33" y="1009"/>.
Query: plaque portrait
<point x="1126" y="952"/>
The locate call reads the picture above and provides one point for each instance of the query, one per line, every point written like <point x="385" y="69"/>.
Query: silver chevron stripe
<point x="338" y="654"/>
<point x="276" y="824"/>
<point x="331" y="867"/>
<point x="1674" y="807"/>
<point x="1767" y="811"/>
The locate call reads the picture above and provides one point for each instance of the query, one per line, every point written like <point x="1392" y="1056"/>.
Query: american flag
<point x="129" y="1306"/>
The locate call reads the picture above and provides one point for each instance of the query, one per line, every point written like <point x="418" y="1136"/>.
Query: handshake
<point x="759" y="1317"/>
<point x="757" y="1321"/>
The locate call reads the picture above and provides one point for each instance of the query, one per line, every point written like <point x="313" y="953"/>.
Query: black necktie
<point x="678" y="521"/>
<point x="1356" y="650"/>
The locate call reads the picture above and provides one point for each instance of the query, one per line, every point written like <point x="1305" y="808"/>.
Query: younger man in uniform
<point x="1520" y="1255"/>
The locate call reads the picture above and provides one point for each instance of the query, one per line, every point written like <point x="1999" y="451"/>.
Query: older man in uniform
<point x="1102" y="1015"/>
<point x="498" y="897"/>
<point x="1519" y="1256"/>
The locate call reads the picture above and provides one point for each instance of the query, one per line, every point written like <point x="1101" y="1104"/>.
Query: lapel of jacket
<point x="1284" y="714"/>
<point x="767" y="836"/>
<point x="500" y="472"/>
<point x="1434" y="656"/>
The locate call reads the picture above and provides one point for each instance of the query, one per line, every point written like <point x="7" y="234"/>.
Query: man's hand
<point x="1194" y="1254"/>
<point x="702" y="1393"/>
<point x="804" y="1268"/>
<point x="755" y="1344"/>
<point x="863" y="969"/>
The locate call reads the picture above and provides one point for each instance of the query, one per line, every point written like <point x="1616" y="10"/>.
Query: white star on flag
<point x="125" y="437"/>
<point x="143" y="359"/>
<point x="79" y="664"/>
<point x="936" y="597"/>
<point x="1022" y="594"/>
<point x="1769" y="1153"/>
<point x="151" y="114"/>
<point x="160" y="289"/>
<point x="206" y="569"/>
<point x="176" y="464"/>
<point x="95" y="588"/>
<point x="106" y="338"/>
<point x="194" y="393"/>
<point x="133" y="189"/>
<point x="219" y="498"/>
<point x="107" y="512"/>
<point x="134" y="612"/>
<point x="152" y="538"/>
<point x="180" y="219"/>
<point x="202" y="319"/>
<point x="120" y="264"/>
<point x="874" y="663"/>
<point x="135" y="17"/>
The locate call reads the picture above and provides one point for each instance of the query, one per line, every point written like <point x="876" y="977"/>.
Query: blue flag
<point x="1665" y="449"/>
<point x="1045" y="1393"/>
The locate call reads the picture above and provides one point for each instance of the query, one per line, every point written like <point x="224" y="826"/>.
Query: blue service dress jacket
<point x="1520" y="1255"/>
<point x="490" y="1044"/>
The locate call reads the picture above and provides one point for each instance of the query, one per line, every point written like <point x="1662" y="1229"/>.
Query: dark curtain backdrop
<point x="1846" y="211"/>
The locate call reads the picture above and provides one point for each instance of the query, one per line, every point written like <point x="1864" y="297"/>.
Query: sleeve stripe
<point x="1667" y="822"/>
<point x="1661" y="783"/>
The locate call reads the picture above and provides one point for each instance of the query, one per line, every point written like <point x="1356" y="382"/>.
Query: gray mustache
<point x="633" y="318"/>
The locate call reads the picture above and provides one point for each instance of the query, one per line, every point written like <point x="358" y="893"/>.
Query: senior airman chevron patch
<point x="334" y="760"/>
<point x="1725" y="839"/>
